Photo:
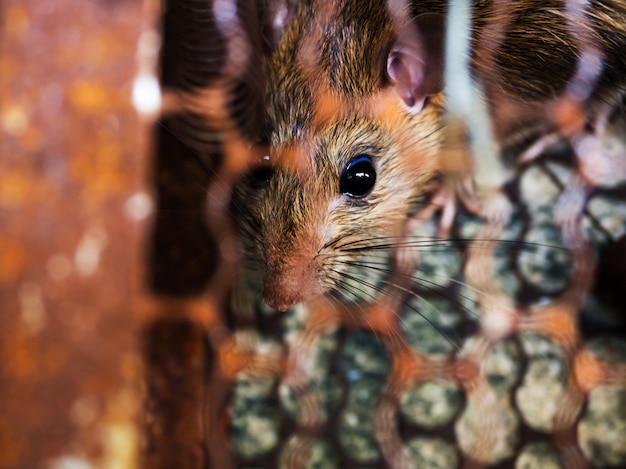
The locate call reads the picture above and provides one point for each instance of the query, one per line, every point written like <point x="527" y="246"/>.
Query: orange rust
<point x="381" y="320"/>
<point x="323" y="315"/>
<point x="264" y="365"/>
<point x="13" y="259"/>
<point x="239" y="156"/>
<point x="568" y="115"/>
<point x="16" y="20"/>
<point x="231" y="358"/>
<point x="234" y="359"/>
<point x="32" y="140"/>
<point x="20" y="356"/>
<point x="555" y="321"/>
<point x="198" y="310"/>
<point x="89" y="95"/>
<point x="408" y="367"/>
<point x="466" y="372"/>
<point x="55" y="358"/>
<point x="13" y="449"/>
<point x="588" y="371"/>
<point x="70" y="159"/>
<point x="295" y="158"/>
<point x="211" y="102"/>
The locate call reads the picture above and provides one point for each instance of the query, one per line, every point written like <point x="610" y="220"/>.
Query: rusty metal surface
<point x="73" y="204"/>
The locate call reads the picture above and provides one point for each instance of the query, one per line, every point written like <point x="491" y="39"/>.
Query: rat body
<point x="355" y="122"/>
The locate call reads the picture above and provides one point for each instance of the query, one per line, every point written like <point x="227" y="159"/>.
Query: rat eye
<point x="358" y="178"/>
<point x="261" y="176"/>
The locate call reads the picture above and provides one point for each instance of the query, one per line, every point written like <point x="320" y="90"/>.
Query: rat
<point x="355" y="105"/>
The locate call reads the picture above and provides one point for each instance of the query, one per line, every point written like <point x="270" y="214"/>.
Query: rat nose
<point x="283" y="288"/>
<point x="278" y="299"/>
<point x="280" y="306"/>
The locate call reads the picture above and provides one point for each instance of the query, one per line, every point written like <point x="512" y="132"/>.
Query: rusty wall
<point x="105" y="251"/>
<point x="73" y="209"/>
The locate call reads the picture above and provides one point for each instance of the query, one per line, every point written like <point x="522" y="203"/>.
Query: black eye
<point x="358" y="178"/>
<point x="260" y="176"/>
<point x="263" y="175"/>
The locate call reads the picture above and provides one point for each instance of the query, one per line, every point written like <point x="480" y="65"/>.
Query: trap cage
<point x="119" y="344"/>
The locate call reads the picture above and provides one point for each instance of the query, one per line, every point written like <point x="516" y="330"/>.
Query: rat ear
<point x="415" y="61"/>
<point x="278" y="14"/>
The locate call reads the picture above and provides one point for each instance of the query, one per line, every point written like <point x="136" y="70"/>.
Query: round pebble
<point x="431" y="453"/>
<point x="320" y="454"/>
<point x="438" y="260"/>
<point x="365" y="364"/>
<point x="431" y="325"/>
<point x="432" y="404"/>
<point x="537" y="189"/>
<point x="545" y="263"/>
<point x="363" y="280"/>
<point x="537" y="455"/>
<point x="544" y="383"/>
<point x="602" y="429"/>
<point x="488" y="429"/>
<point x="324" y="384"/>
<point x="610" y="212"/>
<point x="254" y="425"/>
<point x="502" y="366"/>
<point x="356" y="425"/>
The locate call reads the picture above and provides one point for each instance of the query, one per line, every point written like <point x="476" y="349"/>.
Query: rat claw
<point x="446" y="198"/>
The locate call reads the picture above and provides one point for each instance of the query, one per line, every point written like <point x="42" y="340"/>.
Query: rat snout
<point x="279" y="302"/>
<point x="286" y="284"/>
<point x="290" y="241"/>
<point x="284" y="288"/>
<point x="281" y="293"/>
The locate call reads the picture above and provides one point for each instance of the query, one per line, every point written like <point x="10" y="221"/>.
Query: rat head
<point x="353" y="131"/>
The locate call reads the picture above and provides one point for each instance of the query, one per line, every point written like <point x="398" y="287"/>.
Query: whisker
<point x="389" y="242"/>
<point x="438" y="245"/>
<point x="404" y="302"/>
<point x="421" y="281"/>
<point x="348" y="307"/>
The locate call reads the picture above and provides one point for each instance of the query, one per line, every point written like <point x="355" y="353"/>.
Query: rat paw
<point x="452" y="190"/>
